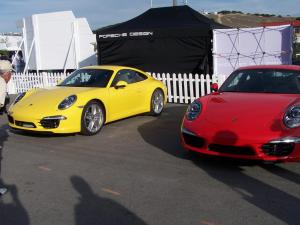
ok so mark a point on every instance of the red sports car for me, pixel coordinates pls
(254, 115)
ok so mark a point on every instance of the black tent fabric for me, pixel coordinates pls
(170, 39)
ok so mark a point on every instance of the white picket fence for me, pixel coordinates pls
(185, 88)
(182, 88)
(23, 82)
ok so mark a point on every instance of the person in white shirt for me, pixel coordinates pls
(5, 75)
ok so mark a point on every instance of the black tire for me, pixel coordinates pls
(157, 102)
(92, 118)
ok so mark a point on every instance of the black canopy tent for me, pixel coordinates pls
(170, 39)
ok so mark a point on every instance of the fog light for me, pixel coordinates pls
(55, 118)
(278, 149)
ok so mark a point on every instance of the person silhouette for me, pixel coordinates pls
(13, 213)
(5, 75)
(93, 209)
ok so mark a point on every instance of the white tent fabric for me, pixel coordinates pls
(57, 41)
(234, 48)
(9, 42)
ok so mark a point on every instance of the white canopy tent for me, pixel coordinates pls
(10, 42)
(57, 41)
(234, 48)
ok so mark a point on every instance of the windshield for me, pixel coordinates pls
(88, 78)
(263, 81)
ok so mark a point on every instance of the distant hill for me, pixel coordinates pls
(246, 20)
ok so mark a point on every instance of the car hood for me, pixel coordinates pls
(242, 112)
(47, 99)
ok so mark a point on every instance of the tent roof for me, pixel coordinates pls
(165, 18)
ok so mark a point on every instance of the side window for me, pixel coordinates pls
(122, 75)
(129, 76)
(140, 77)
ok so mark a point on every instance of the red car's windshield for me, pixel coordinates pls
(263, 81)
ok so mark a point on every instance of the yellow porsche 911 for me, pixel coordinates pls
(87, 99)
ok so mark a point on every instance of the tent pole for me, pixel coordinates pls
(69, 49)
(16, 53)
(76, 43)
(29, 55)
(174, 2)
(24, 30)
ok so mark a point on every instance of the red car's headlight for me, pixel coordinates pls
(291, 118)
(193, 110)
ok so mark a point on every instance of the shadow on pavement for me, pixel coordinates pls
(268, 198)
(3, 138)
(164, 131)
(282, 172)
(12, 213)
(39, 134)
(94, 210)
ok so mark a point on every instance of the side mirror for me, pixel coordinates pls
(121, 84)
(58, 82)
(214, 87)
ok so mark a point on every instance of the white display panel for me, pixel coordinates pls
(234, 48)
(57, 41)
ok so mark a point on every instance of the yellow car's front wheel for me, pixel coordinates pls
(92, 118)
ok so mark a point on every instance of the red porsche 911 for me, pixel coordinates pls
(254, 115)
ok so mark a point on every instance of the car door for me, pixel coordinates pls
(124, 101)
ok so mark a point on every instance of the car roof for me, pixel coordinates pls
(283, 67)
(109, 67)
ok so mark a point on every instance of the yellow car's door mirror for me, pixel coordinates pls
(58, 82)
(121, 84)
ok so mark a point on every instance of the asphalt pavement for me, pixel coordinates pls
(135, 172)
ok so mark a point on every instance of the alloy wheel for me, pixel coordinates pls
(93, 118)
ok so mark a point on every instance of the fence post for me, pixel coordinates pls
(16, 82)
(208, 82)
(180, 88)
(174, 79)
(159, 77)
(191, 81)
(197, 90)
(185, 87)
(202, 83)
(45, 79)
(23, 82)
(169, 87)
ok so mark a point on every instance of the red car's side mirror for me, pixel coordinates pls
(214, 87)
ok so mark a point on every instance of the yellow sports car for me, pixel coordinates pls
(87, 99)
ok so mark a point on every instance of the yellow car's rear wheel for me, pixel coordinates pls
(92, 118)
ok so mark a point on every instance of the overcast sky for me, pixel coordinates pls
(101, 13)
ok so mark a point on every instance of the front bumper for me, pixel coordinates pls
(275, 149)
(64, 121)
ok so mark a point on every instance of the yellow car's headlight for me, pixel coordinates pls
(19, 97)
(67, 102)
